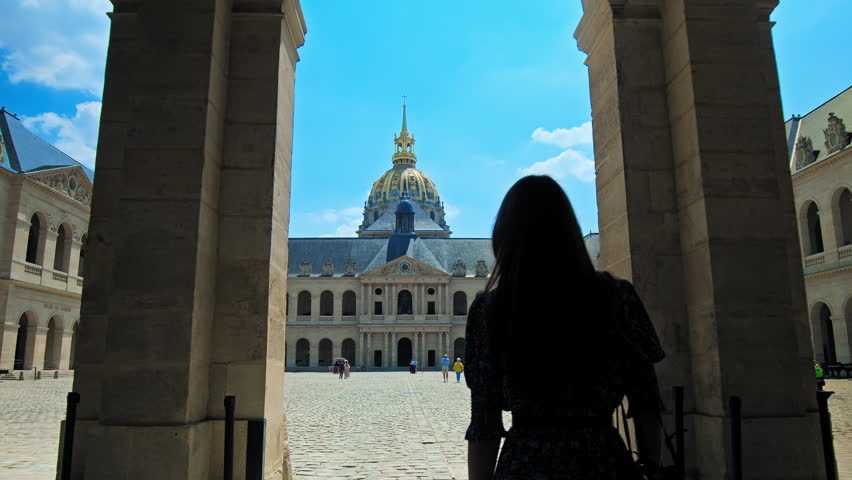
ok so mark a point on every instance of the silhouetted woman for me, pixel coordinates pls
(545, 299)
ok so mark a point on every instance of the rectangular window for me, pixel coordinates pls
(378, 309)
(430, 308)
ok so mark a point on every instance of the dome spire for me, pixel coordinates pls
(404, 143)
(404, 123)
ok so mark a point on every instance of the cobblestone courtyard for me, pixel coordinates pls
(372, 426)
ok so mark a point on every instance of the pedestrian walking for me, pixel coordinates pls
(458, 368)
(340, 366)
(445, 367)
(346, 369)
(411, 367)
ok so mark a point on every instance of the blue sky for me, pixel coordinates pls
(494, 92)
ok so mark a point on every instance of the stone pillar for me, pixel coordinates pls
(64, 353)
(696, 208)
(36, 344)
(393, 349)
(74, 259)
(7, 347)
(829, 233)
(188, 238)
(369, 360)
(363, 304)
(841, 338)
(415, 345)
(49, 248)
(315, 306)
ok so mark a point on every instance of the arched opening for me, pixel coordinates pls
(459, 303)
(814, 230)
(303, 303)
(81, 268)
(432, 215)
(843, 215)
(72, 358)
(403, 352)
(325, 352)
(348, 303)
(826, 327)
(326, 304)
(303, 352)
(404, 303)
(347, 350)
(458, 348)
(21, 343)
(35, 240)
(63, 250)
(53, 344)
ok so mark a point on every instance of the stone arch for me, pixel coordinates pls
(459, 303)
(811, 228)
(458, 349)
(81, 266)
(303, 353)
(841, 211)
(23, 355)
(53, 343)
(349, 304)
(403, 352)
(62, 256)
(825, 346)
(326, 303)
(72, 356)
(326, 353)
(348, 351)
(404, 303)
(303, 303)
(36, 238)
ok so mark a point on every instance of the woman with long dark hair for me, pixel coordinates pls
(545, 300)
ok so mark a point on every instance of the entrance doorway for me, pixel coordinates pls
(829, 349)
(458, 349)
(303, 353)
(377, 358)
(403, 352)
(21, 343)
(325, 353)
(430, 361)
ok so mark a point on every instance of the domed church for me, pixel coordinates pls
(399, 291)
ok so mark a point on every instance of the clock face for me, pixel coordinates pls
(404, 267)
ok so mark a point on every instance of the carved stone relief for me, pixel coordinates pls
(68, 183)
(459, 269)
(804, 152)
(305, 268)
(349, 268)
(481, 268)
(836, 137)
(327, 269)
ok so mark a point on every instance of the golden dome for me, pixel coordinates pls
(404, 181)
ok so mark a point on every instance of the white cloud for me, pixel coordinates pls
(451, 211)
(568, 162)
(564, 137)
(77, 136)
(348, 220)
(55, 67)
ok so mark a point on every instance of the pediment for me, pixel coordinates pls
(69, 181)
(414, 268)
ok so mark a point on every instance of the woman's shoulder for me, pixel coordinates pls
(635, 325)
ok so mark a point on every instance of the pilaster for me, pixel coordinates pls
(7, 347)
(36, 344)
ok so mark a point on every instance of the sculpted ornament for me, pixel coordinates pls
(305, 268)
(481, 268)
(459, 269)
(836, 137)
(804, 152)
(349, 268)
(67, 183)
(327, 268)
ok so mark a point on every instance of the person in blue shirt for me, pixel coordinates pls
(445, 367)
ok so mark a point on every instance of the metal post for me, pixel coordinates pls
(737, 436)
(68, 440)
(827, 437)
(679, 432)
(230, 403)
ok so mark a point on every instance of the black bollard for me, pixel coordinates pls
(827, 436)
(56, 374)
(68, 441)
(230, 404)
(737, 436)
(679, 459)
(21, 377)
(38, 375)
(35, 373)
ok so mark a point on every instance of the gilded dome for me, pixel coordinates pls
(402, 181)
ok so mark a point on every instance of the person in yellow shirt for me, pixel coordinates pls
(458, 368)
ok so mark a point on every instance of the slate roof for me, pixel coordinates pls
(812, 125)
(27, 153)
(387, 221)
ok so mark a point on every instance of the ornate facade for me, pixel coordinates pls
(42, 249)
(822, 187)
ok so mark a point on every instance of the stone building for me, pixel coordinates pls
(45, 215)
(400, 291)
(821, 165)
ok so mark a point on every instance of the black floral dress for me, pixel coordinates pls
(549, 450)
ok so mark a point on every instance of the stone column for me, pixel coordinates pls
(49, 253)
(63, 355)
(36, 344)
(829, 233)
(841, 338)
(696, 208)
(369, 359)
(415, 345)
(315, 306)
(393, 349)
(363, 304)
(7, 347)
(188, 238)
(74, 260)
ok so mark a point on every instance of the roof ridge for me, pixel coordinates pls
(27, 130)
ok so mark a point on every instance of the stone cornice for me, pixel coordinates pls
(828, 161)
(40, 288)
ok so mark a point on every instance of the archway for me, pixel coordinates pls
(843, 217)
(459, 303)
(81, 267)
(21, 343)
(35, 240)
(63, 248)
(347, 350)
(403, 352)
(348, 304)
(303, 353)
(813, 230)
(826, 341)
(404, 303)
(53, 344)
(72, 357)
(303, 304)
(458, 349)
(325, 353)
(326, 304)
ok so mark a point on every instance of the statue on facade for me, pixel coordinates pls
(305, 268)
(804, 152)
(481, 268)
(349, 268)
(327, 268)
(836, 137)
(459, 269)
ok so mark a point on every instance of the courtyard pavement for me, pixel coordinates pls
(375, 425)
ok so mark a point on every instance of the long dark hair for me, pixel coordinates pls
(547, 299)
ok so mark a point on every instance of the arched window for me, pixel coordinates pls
(347, 349)
(348, 303)
(83, 248)
(325, 352)
(404, 303)
(21, 360)
(53, 344)
(35, 240)
(459, 303)
(844, 218)
(303, 353)
(814, 230)
(72, 358)
(825, 339)
(458, 349)
(63, 243)
(326, 304)
(303, 303)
